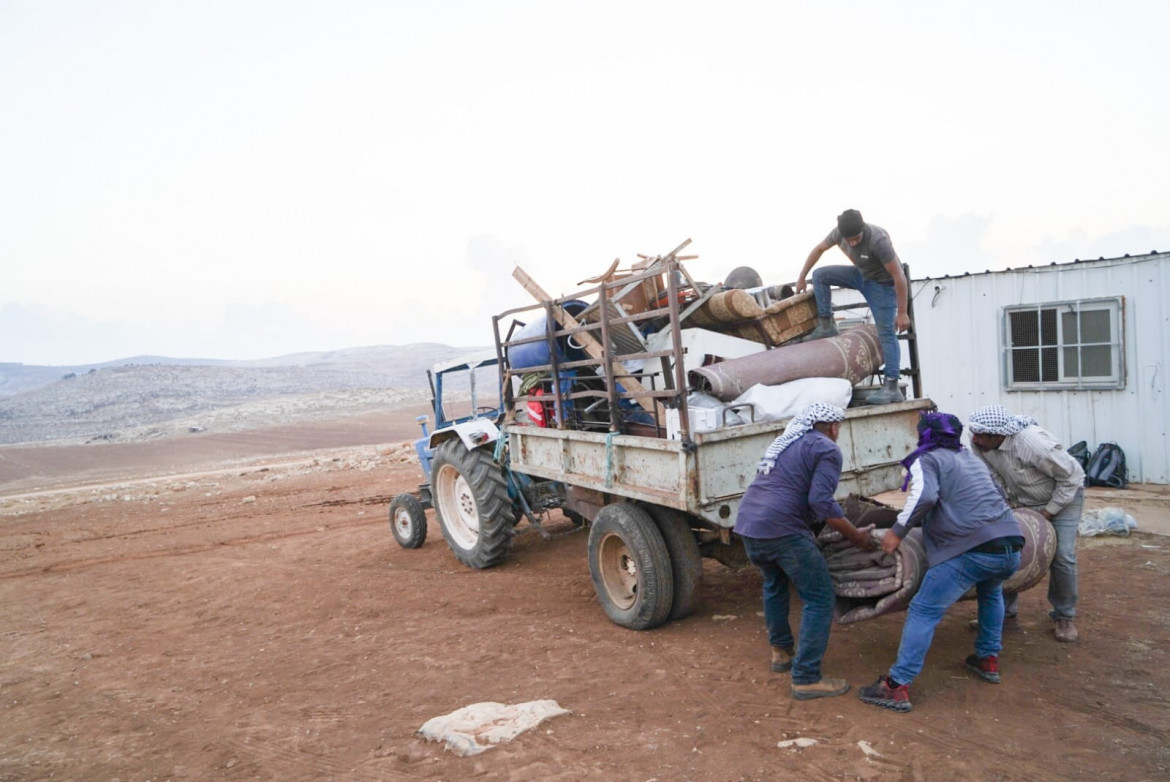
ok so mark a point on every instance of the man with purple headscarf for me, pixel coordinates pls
(793, 489)
(1036, 472)
(972, 540)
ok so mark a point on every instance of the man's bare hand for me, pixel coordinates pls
(902, 322)
(890, 542)
(801, 284)
(863, 539)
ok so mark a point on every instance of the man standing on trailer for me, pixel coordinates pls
(876, 272)
(793, 489)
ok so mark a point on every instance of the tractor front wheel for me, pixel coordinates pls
(408, 521)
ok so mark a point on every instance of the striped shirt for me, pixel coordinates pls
(1034, 470)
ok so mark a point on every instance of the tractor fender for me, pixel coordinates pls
(473, 433)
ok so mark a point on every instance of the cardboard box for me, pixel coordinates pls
(701, 419)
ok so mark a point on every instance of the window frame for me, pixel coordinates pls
(1113, 305)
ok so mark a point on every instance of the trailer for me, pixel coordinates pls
(593, 420)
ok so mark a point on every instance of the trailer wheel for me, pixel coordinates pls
(408, 521)
(686, 564)
(471, 502)
(630, 566)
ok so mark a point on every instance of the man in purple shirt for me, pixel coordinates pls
(794, 489)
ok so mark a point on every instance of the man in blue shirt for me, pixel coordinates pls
(875, 272)
(972, 540)
(792, 490)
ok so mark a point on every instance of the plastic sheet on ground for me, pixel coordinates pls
(480, 726)
(1106, 521)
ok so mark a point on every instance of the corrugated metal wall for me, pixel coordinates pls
(959, 324)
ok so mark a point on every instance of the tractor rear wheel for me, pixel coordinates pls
(408, 521)
(630, 566)
(472, 505)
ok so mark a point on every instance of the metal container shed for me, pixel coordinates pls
(1082, 347)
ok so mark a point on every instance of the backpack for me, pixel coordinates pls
(1080, 452)
(1107, 467)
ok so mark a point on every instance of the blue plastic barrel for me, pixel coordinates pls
(535, 354)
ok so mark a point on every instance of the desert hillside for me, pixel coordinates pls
(147, 398)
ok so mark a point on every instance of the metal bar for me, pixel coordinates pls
(680, 380)
(610, 383)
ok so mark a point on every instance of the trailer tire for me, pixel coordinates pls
(408, 521)
(470, 497)
(686, 564)
(630, 566)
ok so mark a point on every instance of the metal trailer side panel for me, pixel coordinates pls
(709, 479)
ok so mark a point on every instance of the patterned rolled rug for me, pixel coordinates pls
(872, 583)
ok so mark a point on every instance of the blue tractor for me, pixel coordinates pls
(470, 426)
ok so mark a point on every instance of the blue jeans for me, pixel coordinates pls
(942, 585)
(1062, 575)
(795, 558)
(882, 301)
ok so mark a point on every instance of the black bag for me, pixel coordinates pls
(1080, 452)
(1107, 467)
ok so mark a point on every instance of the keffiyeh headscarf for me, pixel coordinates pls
(935, 430)
(993, 419)
(802, 424)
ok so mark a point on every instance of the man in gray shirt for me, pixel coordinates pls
(876, 272)
(1036, 472)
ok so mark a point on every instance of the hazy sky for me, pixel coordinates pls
(247, 179)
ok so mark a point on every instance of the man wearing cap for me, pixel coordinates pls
(1036, 472)
(793, 489)
(972, 540)
(876, 272)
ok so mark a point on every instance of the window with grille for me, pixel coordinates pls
(1074, 344)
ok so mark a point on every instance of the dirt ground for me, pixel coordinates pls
(194, 610)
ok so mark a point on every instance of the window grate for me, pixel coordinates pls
(1069, 344)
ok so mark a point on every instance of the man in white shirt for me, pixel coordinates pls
(1036, 472)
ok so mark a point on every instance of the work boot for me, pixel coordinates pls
(987, 668)
(781, 659)
(880, 693)
(825, 688)
(1065, 631)
(826, 327)
(888, 393)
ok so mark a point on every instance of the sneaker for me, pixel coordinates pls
(1065, 631)
(781, 659)
(880, 693)
(1011, 624)
(825, 688)
(986, 668)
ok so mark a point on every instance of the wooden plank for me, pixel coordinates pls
(590, 345)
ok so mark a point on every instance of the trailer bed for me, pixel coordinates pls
(707, 477)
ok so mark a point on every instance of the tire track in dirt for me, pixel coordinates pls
(87, 563)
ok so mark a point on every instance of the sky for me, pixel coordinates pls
(250, 178)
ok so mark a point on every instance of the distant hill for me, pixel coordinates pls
(135, 397)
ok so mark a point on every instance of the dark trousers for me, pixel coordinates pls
(796, 559)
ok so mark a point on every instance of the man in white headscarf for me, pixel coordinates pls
(793, 489)
(1036, 472)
